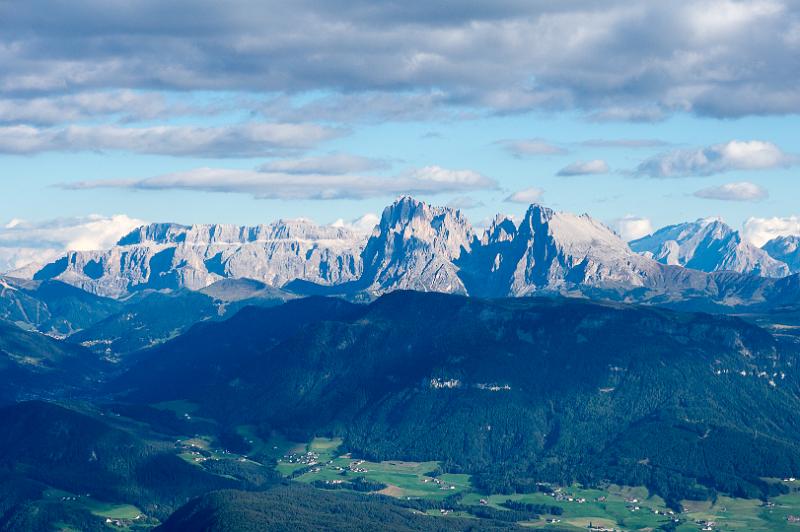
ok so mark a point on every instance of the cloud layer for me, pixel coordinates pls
(631, 227)
(23, 242)
(526, 196)
(741, 191)
(616, 60)
(284, 185)
(332, 164)
(243, 140)
(759, 231)
(597, 166)
(527, 147)
(716, 159)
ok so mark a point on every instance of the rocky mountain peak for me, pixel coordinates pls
(785, 249)
(414, 247)
(709, 245)
(155, 233)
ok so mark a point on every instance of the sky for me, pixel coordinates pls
(642, 114)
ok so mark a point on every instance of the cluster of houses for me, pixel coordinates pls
(771, 377)
(455, 383)
(706, 525)
(355, 467)
(71, 497)
(442, 485)
(561, 496)
(445, 383)
(309, 458)
(122, 522)
(200, 454)
(600, 528)
(494, 387)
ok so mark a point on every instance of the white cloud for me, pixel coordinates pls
(597, 166)
(719, 158)
(23, 242)
(335, 163)
(527, 196)
(363, 224)
(127, 104)
(631, 227)
(618, 59)
(741, 191)
(527, 147)
(281, 185)
(759, 231)
(241, 140)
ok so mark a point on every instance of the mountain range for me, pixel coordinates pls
(709, 245)
(429, 248)
(160, 398)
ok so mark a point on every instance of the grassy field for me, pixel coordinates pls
(99, 508)
(614, 507)
(402, 479)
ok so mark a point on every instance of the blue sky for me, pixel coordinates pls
(253, 111)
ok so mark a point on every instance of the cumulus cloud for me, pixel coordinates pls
(741, 191)
(719, 158)
(23, 242)
(759, 231)
(526, 196)
(282, 185)
(525, 147)
(335, 163)
(614, 60)
(363, 224)
(597, 166)
(242, 140)
(631, 227)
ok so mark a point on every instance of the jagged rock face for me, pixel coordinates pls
(415, 247)
(420, 247)
(170, 256)
(552, 251)
(785, 249)
(708, 245)
(563, 249)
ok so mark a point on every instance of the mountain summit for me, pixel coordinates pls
(708, 245)
(172, 256)
(417, 246)
(785, 249)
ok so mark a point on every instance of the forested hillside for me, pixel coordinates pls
(511, 390)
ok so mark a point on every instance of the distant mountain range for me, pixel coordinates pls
(709, 245)
(428, 248)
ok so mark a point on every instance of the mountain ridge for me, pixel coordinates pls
(708, 245)
(423, 247)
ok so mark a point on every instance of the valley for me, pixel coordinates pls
(173, 408)
(423, 487)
